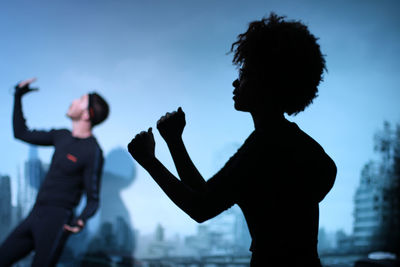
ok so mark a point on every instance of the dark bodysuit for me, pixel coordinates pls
(75, 168)
(277, 177)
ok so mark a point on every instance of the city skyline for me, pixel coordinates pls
(111, 230)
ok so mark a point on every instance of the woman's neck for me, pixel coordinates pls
(263, 120)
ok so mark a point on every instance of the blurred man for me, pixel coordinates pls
(76, 166)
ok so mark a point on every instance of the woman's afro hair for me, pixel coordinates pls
(288, 58)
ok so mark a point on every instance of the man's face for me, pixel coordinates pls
(78, 107)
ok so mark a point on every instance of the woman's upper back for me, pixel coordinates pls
(278, 177)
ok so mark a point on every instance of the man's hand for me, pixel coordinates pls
(171, 125)
(23, 87)
(142, 147)
(75, 229)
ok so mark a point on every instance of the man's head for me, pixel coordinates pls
(281, 66)
(89, 107)
(98, 109)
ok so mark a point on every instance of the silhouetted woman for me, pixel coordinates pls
(280, 174)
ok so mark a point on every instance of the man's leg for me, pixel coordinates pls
(18, 244)
(49, 235)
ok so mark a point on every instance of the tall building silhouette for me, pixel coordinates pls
(377, 200)
(34, 170)
(28, 184)
(5, 206)
(366, 213)
(372, 209)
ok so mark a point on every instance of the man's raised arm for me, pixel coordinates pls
(21, 131)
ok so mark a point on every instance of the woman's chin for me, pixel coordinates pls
(239, 107)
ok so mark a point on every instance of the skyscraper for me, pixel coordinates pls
(29, 183)
(372, 209)
(5, 206)
(34, 171)
(377, 201)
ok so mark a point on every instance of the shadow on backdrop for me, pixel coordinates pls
(113, 240)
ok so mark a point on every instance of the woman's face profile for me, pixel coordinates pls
(245, 92)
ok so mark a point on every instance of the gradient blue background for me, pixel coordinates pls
(149, 57)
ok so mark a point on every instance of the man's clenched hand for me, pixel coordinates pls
(75, 229)
(23, 87)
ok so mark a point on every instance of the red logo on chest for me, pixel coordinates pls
(72, 158)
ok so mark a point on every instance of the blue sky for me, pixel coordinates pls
(149, 57)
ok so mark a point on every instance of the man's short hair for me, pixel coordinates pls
(98, 109)
(286, 56)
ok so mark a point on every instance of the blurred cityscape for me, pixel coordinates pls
(222, 241)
